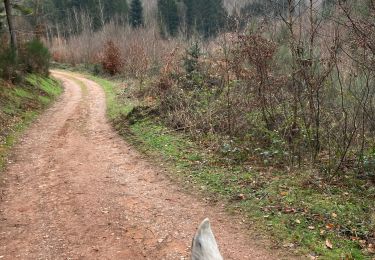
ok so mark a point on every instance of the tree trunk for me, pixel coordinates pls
(8, 11)
(38, 30)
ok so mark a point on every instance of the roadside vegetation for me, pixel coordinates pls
(20, 104)
(25, 88)
(297, 208)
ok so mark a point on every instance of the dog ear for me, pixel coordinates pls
(204, 245)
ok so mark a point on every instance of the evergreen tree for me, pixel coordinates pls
(100, 11)
(116, 10)
(206, 17)
(169, 19)
(190, 16)
(266, 8)
(136, 14)
(213, 17)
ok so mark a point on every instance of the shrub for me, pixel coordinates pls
(111, 58)
(368, 164)
(97, 69)
(8, 64)
(36, 57)
(192, 58)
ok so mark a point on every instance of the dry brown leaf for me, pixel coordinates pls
(289, 210)
(362, 243)
(371, 248)
(330, 226)
(329, 244)
(241, 196)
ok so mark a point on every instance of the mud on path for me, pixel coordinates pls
(76, 190)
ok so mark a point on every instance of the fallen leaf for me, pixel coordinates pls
(334, 215)
(362, 243)
(330, 226)
(284, 193)
(322, 232)
(298, 221)
(289, 210)
(311, 227)
(290, 245)
(241, 196)
(371, 248)
(329, 244)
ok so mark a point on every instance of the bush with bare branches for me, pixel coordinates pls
(111, 59)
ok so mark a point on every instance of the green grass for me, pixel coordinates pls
(20, 105)
(115, 109)
(295, 208)
(274, 200)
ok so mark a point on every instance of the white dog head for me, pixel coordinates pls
(204, 244)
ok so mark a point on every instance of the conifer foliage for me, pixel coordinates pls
(205, 17)
(212, 17)
(169, 19)
(136, 14)
(100, 12)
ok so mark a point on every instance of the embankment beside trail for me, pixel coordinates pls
(19, 106)
(302, 213)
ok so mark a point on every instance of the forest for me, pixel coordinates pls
(268, 104)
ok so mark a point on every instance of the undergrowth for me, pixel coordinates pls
(301, 211)
(20, 104)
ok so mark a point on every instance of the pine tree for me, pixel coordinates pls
(206, 17)
(190, 16)
(169, 19)
(100, 11)
(116, 10)
(136, 14)
(265, 8)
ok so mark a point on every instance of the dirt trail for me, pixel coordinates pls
(76, 190)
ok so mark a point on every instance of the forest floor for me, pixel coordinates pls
(73, 189)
